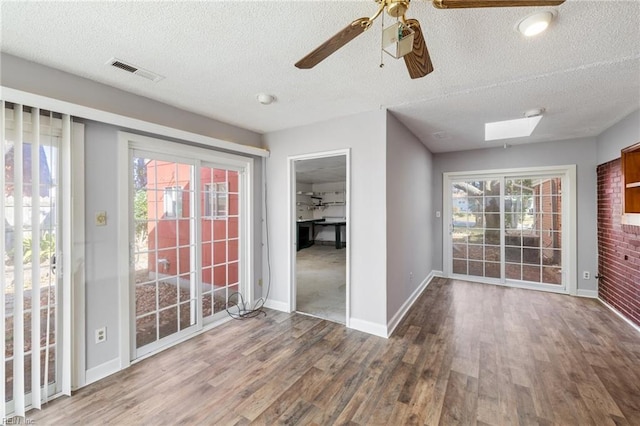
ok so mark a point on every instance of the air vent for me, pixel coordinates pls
(117, 63)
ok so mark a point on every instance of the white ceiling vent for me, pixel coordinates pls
(117, 63)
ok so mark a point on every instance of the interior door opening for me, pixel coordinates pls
(320, 258)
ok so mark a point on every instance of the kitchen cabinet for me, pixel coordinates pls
(630, 159)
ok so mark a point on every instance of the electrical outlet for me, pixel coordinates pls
(586, 275)
(101, 334)
(438, 214)
(410, 276)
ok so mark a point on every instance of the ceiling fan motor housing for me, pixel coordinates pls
(397, 8)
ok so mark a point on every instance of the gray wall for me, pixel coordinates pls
(409, 214)
(581, 152)
(31, 77)
(365, 135)
(621, 135)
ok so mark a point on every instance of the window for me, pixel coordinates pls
(173, 201)
(215, 200)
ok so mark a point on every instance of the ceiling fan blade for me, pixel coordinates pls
(343, 37)
(418, 61)
(462, 4)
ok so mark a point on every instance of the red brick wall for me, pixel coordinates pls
(618, 246)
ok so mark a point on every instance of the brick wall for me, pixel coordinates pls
(618, 246)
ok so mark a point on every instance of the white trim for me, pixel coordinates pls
(67, 257)
(18, 96)
(78, 257)
(101, 371)
(369, 327)
(124, 248)
(437, 273)
(277, 305)
(570, 255)
(593, 294)
(2, 264)
(292, 224)
(400, 314)
(618, 313)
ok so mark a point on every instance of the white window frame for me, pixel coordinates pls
(130, 141)
(569, 221)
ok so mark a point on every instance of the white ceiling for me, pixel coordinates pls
(218, 55)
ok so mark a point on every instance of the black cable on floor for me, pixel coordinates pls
(239, 311)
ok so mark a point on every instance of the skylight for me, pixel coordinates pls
(508, 129)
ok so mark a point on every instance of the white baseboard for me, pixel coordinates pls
(277, 305)
(615, 311)
(393, 323)
(593, 294)
(435, 273)
(368, 327)
(101, 371)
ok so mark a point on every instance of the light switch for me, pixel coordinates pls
(101, 218)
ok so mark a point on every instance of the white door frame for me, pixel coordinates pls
(569, 217)
(292, 222)
(127, 143)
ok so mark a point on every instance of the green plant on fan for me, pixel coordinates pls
(47, 248)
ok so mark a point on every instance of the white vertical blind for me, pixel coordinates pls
(35, 255)
(18, 299)
(36, 154)
(2, 266)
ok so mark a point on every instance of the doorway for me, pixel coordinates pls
(320, 223)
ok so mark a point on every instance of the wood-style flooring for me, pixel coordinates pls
(465, 354)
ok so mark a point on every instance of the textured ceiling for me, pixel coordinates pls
(322, 170)
(218, 55)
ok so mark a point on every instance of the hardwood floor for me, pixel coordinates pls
(465, 354)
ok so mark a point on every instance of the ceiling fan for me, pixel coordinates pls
(418, 61)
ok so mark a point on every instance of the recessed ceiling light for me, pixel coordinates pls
(266, 99)
(536, 23)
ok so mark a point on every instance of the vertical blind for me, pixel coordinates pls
(35, 144)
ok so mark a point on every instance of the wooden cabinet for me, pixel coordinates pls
(630, 158)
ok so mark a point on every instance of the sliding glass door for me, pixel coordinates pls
(186, 244)
(32, 212)
(507, 228)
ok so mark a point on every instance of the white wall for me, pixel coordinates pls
(365, 135)
(621, 135)
(409, 214)
(581, 152)
(332, 191)
(303, 211)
